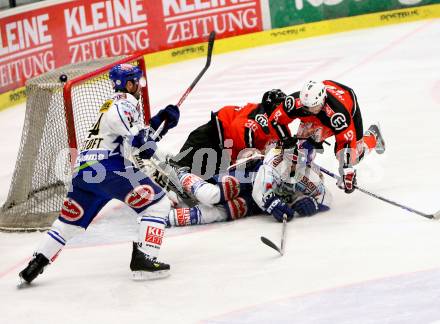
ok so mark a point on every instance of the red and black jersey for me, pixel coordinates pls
(340, 117)
(247, 126)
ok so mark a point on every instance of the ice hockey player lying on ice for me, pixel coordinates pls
(231, 130)
(102, 173)
(284, 182)
(330, 109)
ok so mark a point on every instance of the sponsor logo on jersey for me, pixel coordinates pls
(140, 196)
(277, 159)
(328, 111)
(71, 210)
(86, 157)
(261, 119)
(119, 96)
(154, 235)
(309, 185)
(338, 121)
(106, 106)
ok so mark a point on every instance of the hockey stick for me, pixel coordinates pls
(199, 76)
(246, 160)
(171, 183)
(193, 84)
(269, 243)
(430, 216)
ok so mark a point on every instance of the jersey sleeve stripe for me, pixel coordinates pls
(355, 105)
(248, 138)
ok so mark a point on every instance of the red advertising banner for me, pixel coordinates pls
(37, 41)
(188, 22)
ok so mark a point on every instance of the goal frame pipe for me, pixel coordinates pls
(68, 107)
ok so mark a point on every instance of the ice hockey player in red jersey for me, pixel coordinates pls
(281, 182)
(328, 109)
(229, 133)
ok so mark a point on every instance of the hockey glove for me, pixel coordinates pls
(305, 206)
(170, 114)
(274, 206)
(348, 179)
(146, 145)
(271, 99)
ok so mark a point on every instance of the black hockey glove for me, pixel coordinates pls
(274, 206)
(271, 99)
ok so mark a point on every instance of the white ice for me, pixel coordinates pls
(364, 261)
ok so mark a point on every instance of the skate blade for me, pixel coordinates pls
(22, 284)
(381, 147)
(146, 275)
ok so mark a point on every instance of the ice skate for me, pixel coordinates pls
(34, 268)
(380, 143)
(144, 268)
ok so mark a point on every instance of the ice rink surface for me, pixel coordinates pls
(364, 261)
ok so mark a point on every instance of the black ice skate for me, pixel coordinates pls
(144, 268)
(34, 268)
(380, 143)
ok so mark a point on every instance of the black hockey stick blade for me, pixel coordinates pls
(271, 244)
(283, 238)
(208, 63)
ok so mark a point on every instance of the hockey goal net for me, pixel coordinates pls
(58, 115)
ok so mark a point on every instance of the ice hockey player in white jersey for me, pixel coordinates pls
(284, 182)
(102, 173)
(289, 184)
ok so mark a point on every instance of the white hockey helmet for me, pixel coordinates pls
(313, 95)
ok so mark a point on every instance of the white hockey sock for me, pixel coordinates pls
(56, 238)
(211, 214)
(151, 232)
(152, 228)
(200, 214)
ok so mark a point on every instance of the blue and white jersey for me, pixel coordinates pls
(117, 123)
(288, 180)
